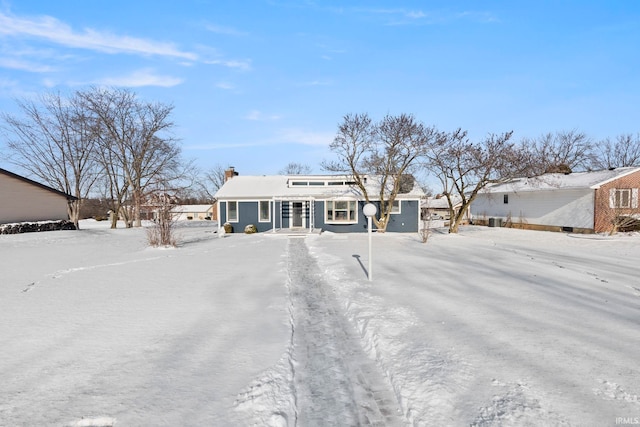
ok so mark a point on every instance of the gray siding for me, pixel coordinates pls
(406, 221)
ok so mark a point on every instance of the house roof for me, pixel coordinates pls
(440, 202)
(37, 184)
(191, 208)
(302, 186)
(555, 181)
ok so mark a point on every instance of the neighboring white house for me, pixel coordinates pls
(193, 212)
(24, 200)
(581, 201)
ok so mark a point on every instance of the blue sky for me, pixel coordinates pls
(259, 84)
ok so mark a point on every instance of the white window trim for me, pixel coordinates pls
(331, 221)
(268, 211)
(237, 209)
(613, 193)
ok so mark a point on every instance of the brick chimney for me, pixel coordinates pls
(230, 173)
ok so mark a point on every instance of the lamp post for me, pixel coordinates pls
(369, 210)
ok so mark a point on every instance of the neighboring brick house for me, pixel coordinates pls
(584, 202)
(617, 198)
(24, 200)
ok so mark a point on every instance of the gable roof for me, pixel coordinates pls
(37, 184)
(440, 202)
(191, 208)
(556, 181)
(302, 186)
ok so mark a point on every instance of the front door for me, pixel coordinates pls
(297, 214)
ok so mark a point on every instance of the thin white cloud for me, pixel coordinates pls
(483, 17)
(304, 137)
(242, 65)
(51, 29)
(225, 86)
(418, 14)
(229, 31)
(317, 83)
(401, 16)
(145, 77)
(285, 136)
(18, 64)
(256, 115)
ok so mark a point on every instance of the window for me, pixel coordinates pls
(265, 211)
(343, 211)
(620, 198)
(505, 199)
(232, 211)
(395, 208)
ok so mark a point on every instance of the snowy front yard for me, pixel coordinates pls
(490, 327)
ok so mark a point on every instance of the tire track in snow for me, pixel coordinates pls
(335, 382)
(61, 273)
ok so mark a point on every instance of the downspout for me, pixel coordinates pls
(219, 218)
(595, 209)
(273, 216)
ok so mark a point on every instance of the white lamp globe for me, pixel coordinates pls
(369, 209)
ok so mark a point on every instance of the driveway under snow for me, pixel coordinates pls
(489, 327)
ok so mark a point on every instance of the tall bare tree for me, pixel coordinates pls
(385, 151)
(136, 135)
(54, 141)
(294, 168)
(624, 151)
(465, 168)
(211, 181)
(559, 152)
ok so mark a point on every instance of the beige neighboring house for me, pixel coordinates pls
(438, 207)
(24, 200)
(193, 212)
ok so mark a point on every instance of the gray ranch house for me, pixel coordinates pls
(309, 203)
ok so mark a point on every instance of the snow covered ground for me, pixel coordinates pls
(491, 327)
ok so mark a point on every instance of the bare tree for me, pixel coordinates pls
(162, 233)
(211, 181)
(294, 168)
(113, 186)
(136, 138)
(623, 152)
(560, 152)
(465, 168)
(385, 151)
(55, 142)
